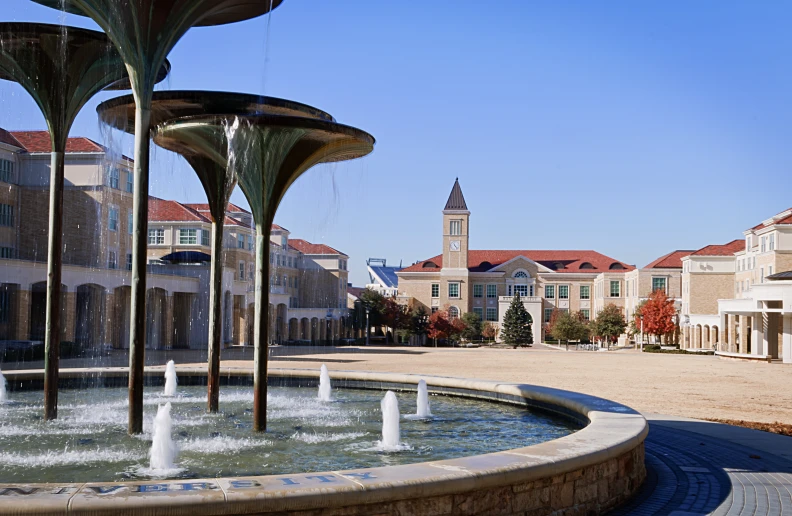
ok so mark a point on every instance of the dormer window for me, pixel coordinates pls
(586, 265)
(429, 265)
(616, 266)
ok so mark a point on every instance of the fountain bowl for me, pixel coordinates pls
(589, 471)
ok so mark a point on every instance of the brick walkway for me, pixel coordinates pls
(695, 467)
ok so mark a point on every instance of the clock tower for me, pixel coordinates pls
(455, 233)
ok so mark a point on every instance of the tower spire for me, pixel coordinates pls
(456, 201)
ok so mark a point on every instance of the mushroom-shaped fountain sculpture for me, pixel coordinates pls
(267, 153)
(209, 160)
(144, 32)
(61, 68)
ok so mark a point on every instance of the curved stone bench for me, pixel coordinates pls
(589, 471)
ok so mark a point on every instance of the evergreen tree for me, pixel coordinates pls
(517, 325)
(473, 326)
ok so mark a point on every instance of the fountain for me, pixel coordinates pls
(37, 56)
(422, 403)
(3, 388)
(391, 436)
(144, 32)
(163, 449)
(325, 389)
(171, 380)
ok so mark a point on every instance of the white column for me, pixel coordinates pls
(787, 351)
(723, 333)
(757, 337)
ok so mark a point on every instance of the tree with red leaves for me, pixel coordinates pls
(440, 327)
(658, 314)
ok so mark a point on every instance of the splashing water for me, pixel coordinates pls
(171, 381)
(423, 400)
(163, 449)
(324, 384)
(391, 435)
(3, 393)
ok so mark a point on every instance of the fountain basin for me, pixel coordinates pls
(593, 469)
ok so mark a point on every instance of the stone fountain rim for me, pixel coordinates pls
(105, 108)
(40, 29)
(613, 431)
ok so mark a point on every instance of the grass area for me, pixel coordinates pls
(775, 428)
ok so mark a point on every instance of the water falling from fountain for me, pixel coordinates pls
(171, 381)
(324, 384)
(3, 393)
(163, 449)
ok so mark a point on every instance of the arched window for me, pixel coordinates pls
(521, 286)
(586, 265)
(521, 275)
(429, 265)
(615, 266)
(453, 312)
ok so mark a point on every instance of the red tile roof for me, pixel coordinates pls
(672, 260)
(280, 228)
(356, 291)
(162, 210)
(306, 247)
(785, 217)
(8, 139)
(559, 261)
(39, 141)
(203, 209)
(721, 250)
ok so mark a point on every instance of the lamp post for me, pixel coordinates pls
(642, 335)
(368, 329)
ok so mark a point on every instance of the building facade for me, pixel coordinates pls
(97, 235)
(485, 281)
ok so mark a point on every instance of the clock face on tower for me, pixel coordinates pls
(454, 245)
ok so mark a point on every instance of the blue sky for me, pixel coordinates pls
(630, 128)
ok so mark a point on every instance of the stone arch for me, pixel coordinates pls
(305, 329)
(122, 299)
(90, 311)
(281, 323)
(37, 318)
(714, 334)
(294, 329)
(251, 314)
(157, 336)
(315, 330)
(705, 337)
(697, 336)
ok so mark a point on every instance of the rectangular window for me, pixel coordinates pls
(761, 274)
(492, 291)
(205, 237)
(772, 242)
(479, 311)
(586, 314)
(7, 252)
(563, 292)
(240, 241)
(112, 218)
(277, 260)
(129, 261)
(456, 227)
(762, 244)
(130, 224)
(549, 291)
(453, 290)
(252, 273)
(113, 177)
(748, 243)
(188, 236)
(478, 290)
(492, 314)
(658, 284)
(522, 290)
(6, 215)
(241, 276)
(112, 260)
(434, 309)
(435, 290)
(6, 171)
(548, 313)
(130, 184)
(5, 305)
(615, 289)
(250, 242)
(156, 236)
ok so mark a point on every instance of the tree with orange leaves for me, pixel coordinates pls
(658, 314)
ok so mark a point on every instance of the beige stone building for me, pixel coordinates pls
(97, 236)
(485, 281)
(664, 273)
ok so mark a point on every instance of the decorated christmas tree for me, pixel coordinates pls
(517, 325)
